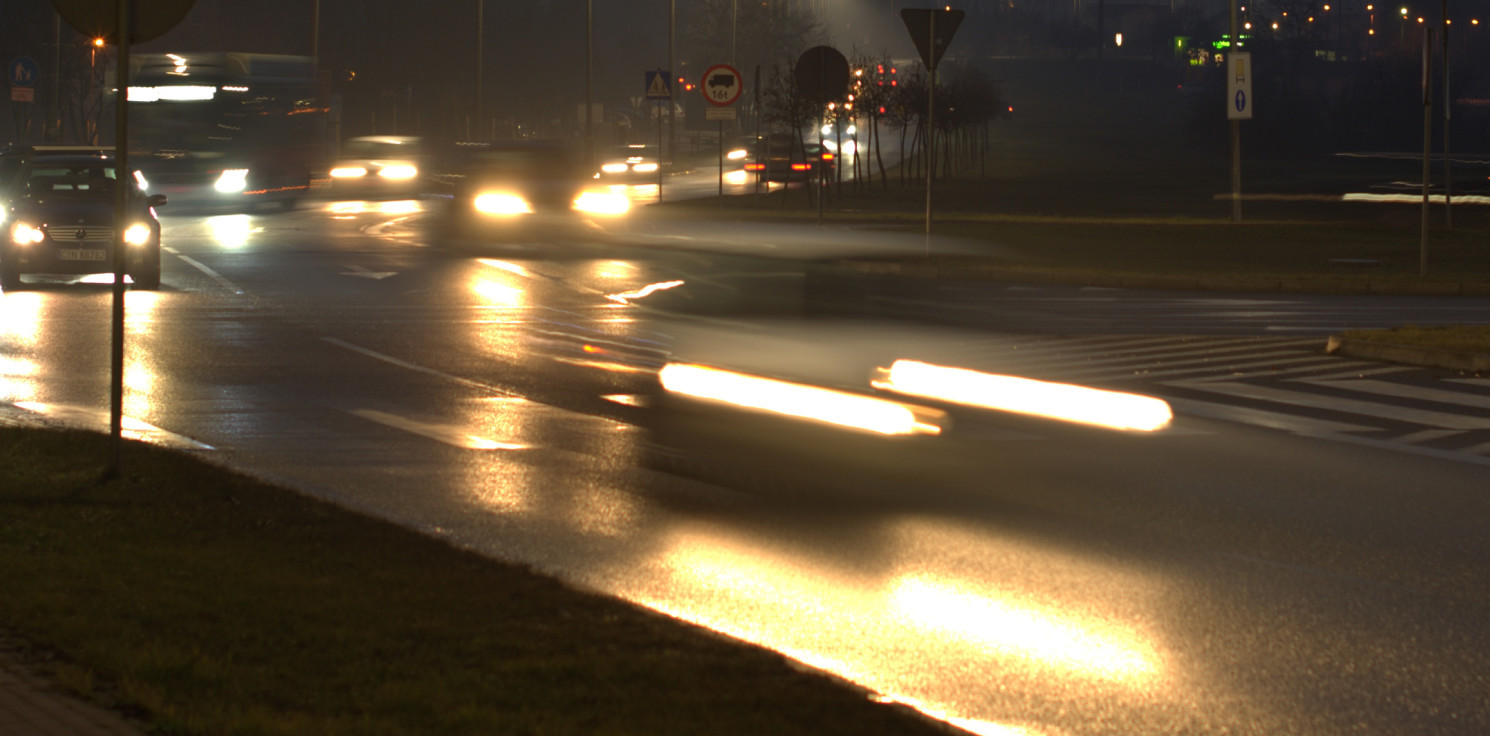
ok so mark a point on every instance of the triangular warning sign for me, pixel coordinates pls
(931, 30)
(658, 88)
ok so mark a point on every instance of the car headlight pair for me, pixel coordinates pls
(507, 204)
(24, 233)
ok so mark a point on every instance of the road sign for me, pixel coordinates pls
(932, 30)
(657, 86)
(23, 71)
(99, 18)
(821, 74)
(719, 113)
(1239, 85)
(722, 85)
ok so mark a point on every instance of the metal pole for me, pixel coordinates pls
(1427, 143)
(589, 84)
(721, 164)
(123, 28)
(1236, 130)
(1448, 104)
(672, 93)
(480, 39)
(930, 124)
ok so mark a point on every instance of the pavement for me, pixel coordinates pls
(33, 705)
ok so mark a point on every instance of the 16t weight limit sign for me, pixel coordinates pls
(721, 85)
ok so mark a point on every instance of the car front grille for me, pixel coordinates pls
(81, 234)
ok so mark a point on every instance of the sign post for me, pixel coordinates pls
(721, 86)
(659, 89)
(122, 24)
(931, 30)
(1238, 108)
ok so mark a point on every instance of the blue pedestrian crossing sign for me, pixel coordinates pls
(658, 87)
(23, 71)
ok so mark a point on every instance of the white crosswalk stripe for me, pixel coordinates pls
(1426, 417)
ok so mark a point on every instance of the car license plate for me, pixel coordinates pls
(82, 254)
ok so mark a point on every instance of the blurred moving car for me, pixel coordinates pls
(378, 167)
(782, 157)
(60, 219)
(510, 191)
(633, 162)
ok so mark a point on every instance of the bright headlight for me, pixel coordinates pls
(737, 154)
(137, 234)
(401, 171)
(231, 181)
(348, 172)
(613, 168)
(24, 234)
(502, 204)
(602, 203)
(645, 168)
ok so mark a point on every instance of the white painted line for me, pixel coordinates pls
(448, 433)
(1444, 420)
(1223, 371)
(83, 417)
(1235, 376)
(1428, 435)
(1404, 391)
(1481, 449)
(1367, 372)
(1263, 418)
(415, 367)
(215, 276)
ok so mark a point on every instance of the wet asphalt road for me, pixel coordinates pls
(1010, 575)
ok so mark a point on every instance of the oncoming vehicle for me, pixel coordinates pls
(634, 162)
(512, 191)
(227, 130)
(60, 219)
(378, 167)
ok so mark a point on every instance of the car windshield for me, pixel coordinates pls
(68, 182)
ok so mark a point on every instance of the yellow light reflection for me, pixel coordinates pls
(613, 270)
(626, 297)
(20, 316)
(1098, 649)
(798, 400)
(346, 209)
(737, 177)
(230, 231)
(498, 294)
(139, 313)
(1062, 401)
(16, 382)
(401, 207)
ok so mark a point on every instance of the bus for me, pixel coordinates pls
(235, 131)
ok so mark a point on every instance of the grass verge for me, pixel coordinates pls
(206, 602)
(1461, 338)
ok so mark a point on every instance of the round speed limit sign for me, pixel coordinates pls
(722, 85)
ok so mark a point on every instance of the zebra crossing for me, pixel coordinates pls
(1285, 383)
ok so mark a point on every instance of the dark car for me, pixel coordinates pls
(783, 158)
(630, 163)
(520, 191)
(14, 155)
(59, 219)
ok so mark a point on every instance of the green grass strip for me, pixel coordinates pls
(206, 602)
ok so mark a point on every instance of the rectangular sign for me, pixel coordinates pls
(22, 94)
(719, 113)
(1239, 85)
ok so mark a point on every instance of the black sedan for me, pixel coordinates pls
(60, 219)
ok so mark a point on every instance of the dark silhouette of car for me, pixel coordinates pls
(60, 219)
(722, 80)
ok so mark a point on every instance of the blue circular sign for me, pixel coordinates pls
(1241, 101)
(23, 71)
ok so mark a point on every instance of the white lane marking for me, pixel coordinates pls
(450, 434)
(1290, 371)
(415, 367)
(1263, 418)
(99, 419)
(364, 273)
(215, 276)
(1367, 372)
(1215, 370)
(1481, 449)
(1404, 391)
(1428, 435)
(1349, 406)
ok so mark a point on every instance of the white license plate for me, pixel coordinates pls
(82, 254)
